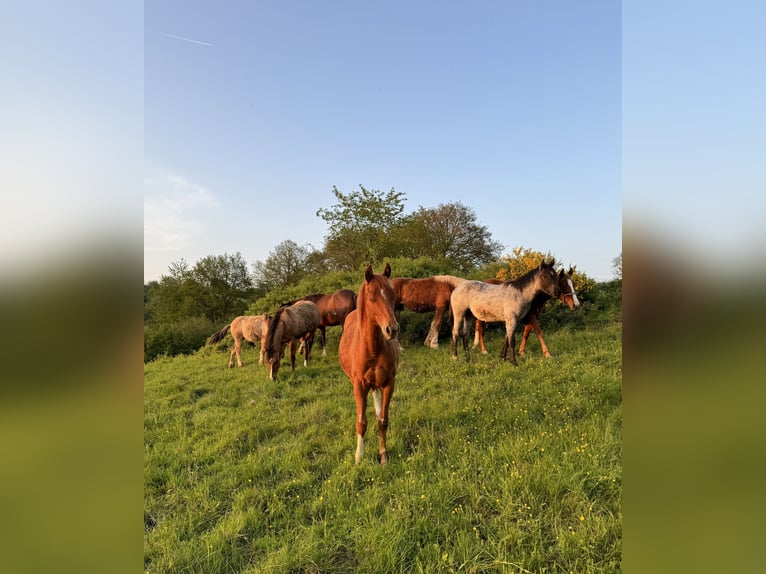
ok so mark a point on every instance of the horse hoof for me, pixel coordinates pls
(384, 458)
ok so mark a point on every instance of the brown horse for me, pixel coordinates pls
(424, 296)
(567, 296)
(289, 324)
(333, 309)
(507, 302)
(250, 327)
(369, 354)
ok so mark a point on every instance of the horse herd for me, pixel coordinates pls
(369, 349)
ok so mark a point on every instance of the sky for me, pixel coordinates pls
(253, 111)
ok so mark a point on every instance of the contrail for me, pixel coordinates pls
(186, 39)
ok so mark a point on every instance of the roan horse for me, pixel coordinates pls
(250, 327)
(507, 302)
(369, 354)
(424, 296)
(289, 324)
(567, 296)
(333, 309)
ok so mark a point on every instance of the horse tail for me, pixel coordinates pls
(217, 337)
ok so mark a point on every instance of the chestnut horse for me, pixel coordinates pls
(333, 309)
(424, 296)
(507, 302)
(250, 327)
(567, 296)
(289, 324)
(369, 354)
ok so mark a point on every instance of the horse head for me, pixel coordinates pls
(567, 293)
(547, 280)
(379, 301)
(273, 347)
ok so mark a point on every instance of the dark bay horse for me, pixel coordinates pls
(333, 309)
(507, 302)
(250, 327)
(426, 295)
(369, 354)
(290, 324)
(530, 321)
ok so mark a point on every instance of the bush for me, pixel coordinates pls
(180, 337)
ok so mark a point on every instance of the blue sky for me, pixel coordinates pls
(253, 111)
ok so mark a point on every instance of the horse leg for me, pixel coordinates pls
(324, 341)
(539, 333)
(432, 339)
(504, 350)
(381, 413)
(292, 354)
(235, 350)
(523, 346)
(307, 350)
(510, 338)
(260, 356)
(479, 337)
(360, 397)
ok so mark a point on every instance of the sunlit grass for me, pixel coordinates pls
(493, 468)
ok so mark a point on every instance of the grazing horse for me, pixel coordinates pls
(424, 296)
(250, 327)
(333, 309)
(567, 296)
(289, 324)
(369, 354)
(507, 302)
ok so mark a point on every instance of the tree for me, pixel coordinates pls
(222, 285)
(617, 266)
(286, 264)
(218, 288)
(449, 231)
(360, 226)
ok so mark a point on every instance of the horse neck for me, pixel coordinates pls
(532, 290)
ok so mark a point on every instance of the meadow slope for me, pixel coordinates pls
(492, 468)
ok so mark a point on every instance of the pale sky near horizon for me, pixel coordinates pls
(184, 129)
(254, 111)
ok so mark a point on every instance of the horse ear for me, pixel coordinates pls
(571, 270)
(368, 274)
(387, 270)
(561, 273)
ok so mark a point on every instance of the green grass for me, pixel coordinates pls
(492, 468)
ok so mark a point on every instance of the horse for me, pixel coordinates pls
(250, 327)
(369, 354)
(333, 309)
(426, 295)
(567, 296)
(506, 302)
(289, 324)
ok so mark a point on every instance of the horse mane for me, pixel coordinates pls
(273, 322)
(521, 282)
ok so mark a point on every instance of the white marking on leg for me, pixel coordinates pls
(359, 449)
(376, 398)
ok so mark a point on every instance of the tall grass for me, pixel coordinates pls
(492, 468)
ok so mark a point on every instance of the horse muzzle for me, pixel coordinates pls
(391, 331)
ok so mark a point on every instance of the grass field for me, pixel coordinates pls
(492, 468)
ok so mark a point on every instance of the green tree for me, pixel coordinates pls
(617, 266)
(360, 226)
(222, 286)
(286, 264)
(449, 231)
